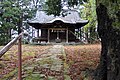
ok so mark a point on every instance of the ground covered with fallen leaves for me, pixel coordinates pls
(77, 61)
(8, 62)
(82, 59)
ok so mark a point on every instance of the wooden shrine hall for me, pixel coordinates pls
(57, 28)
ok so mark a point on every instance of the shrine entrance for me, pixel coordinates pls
(57, 35)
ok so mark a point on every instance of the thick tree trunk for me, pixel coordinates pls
(101, 72)
(109, 67)
(113, 56)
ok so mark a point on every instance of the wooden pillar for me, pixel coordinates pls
(38, 33)
(80, 33)
(67, 35)
(57, 34)
(48, 35)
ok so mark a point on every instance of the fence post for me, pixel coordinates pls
(19, 59)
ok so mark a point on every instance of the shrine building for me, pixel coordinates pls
(57, 28)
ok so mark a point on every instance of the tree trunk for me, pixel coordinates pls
(109, 67)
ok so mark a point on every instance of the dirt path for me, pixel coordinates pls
(49, 66)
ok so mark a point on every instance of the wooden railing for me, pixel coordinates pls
(8, 46)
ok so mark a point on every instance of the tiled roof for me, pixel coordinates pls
(72, 17)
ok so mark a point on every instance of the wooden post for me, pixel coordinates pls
(19, 48)
(67, 35)
(8, 46)
(19, 60)
(80, 33)
(48, 35)
(38, 33)
(57, 34)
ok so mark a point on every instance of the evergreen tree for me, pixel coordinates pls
(89, 13)
(9, 19)
(54, 7)
(14, 12)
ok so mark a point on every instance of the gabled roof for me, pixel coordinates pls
(72, 17)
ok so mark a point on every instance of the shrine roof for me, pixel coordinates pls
(72, 17)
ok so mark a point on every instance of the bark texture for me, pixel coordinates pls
(109, 67)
